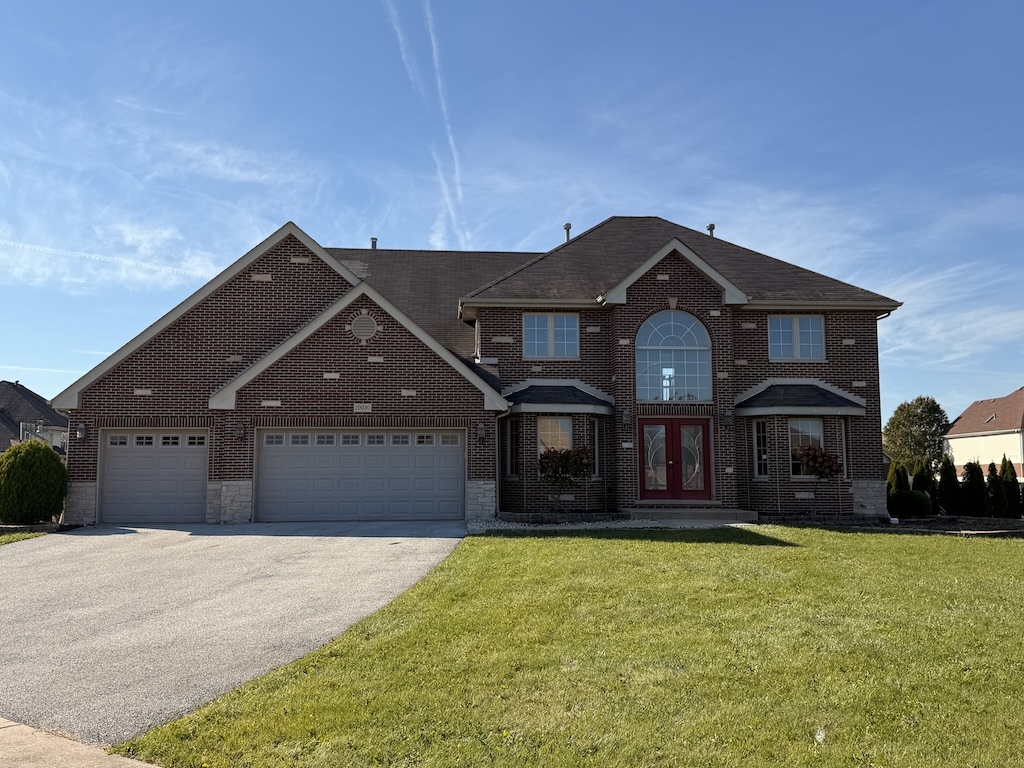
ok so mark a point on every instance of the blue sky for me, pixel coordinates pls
(144, 147)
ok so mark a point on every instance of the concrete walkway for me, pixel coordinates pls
(25, 747)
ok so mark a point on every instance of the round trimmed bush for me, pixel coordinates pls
(910, 504)
(33, 484)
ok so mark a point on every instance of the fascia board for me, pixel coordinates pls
(582, 386)
(224, 399)
(581, 303)
(812, 382)
(784, 410)
(755, 305)
(69, 397)
(989, 433)
(730, 293)
(605, 410)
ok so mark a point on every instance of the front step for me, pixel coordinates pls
(691, 514)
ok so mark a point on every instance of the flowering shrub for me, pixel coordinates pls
(564, 467)
(818, 462)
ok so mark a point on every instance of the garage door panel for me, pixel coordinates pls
(161, 482)
(396, 480)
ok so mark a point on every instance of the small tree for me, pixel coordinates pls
(924, 482)
(915, 433)
(33, 484)
(995, 491)
(973, 496)
(820, 463)
(897, 480)
(1011, 487)
(563, 468)
(949, 488)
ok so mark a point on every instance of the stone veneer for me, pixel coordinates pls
(80, 504)
(481, 497)
(869, 498)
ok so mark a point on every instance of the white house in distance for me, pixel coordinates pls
(987, 431)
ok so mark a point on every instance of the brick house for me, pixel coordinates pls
(311, 383)
(987, 431)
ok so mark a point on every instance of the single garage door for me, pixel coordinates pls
(364, 475)
(153, 477)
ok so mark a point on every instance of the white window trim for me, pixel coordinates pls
(795, 321)
(551, 335)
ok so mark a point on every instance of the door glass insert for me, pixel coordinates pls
(655, 477)
(691, 456)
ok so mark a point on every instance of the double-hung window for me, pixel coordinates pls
(761, 448)
(803, 432)
(554, 432)
(796, 337)
(551, 335)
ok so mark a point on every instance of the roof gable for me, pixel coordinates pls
(69, 397)
(730, 293)
(224, 398)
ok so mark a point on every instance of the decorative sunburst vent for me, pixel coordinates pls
(363, 326)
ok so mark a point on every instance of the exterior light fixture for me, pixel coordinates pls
(728, 419)
(240, 430)
(481, 431)
(627, 416)
(81, 432)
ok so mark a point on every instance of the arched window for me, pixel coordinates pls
(673, 359)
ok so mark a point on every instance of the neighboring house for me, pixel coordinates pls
(24, 415)
(987, 431)
(306, 383)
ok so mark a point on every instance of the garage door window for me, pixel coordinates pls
(400, 440)
(273, 440)
(424, 439)
(452, 438)
(143, 440)
(375, 439)
(350, 439)
(170, 440)
(119, 440)
(325, 439)
(196, 441)
(300, 439)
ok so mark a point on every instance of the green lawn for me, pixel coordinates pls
(763, 646)
(10, 538)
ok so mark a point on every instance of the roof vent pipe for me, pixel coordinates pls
(711, 229)
(567, 226)
(373, 243)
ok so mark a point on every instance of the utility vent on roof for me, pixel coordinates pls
(991, 417)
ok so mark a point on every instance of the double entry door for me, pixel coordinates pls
(675, 458)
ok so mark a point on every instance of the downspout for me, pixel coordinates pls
(778, 475)
(497, 460)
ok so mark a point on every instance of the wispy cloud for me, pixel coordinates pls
(435, 50)
(403, 47)
(30, 369)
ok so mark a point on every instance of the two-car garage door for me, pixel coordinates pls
(360, 475)
(160, 477)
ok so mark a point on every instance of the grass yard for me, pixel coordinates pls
(762, 646)
(10, 538)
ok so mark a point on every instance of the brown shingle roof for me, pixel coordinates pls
(601, 258)
(1000, 414)
(427, 285)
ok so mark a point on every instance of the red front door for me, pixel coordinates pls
(675, 459)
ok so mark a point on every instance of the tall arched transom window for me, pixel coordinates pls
(673, 359)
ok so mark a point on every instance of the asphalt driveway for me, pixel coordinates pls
(105, 632)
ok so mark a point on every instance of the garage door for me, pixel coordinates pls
(381, 475)
(153, 477)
